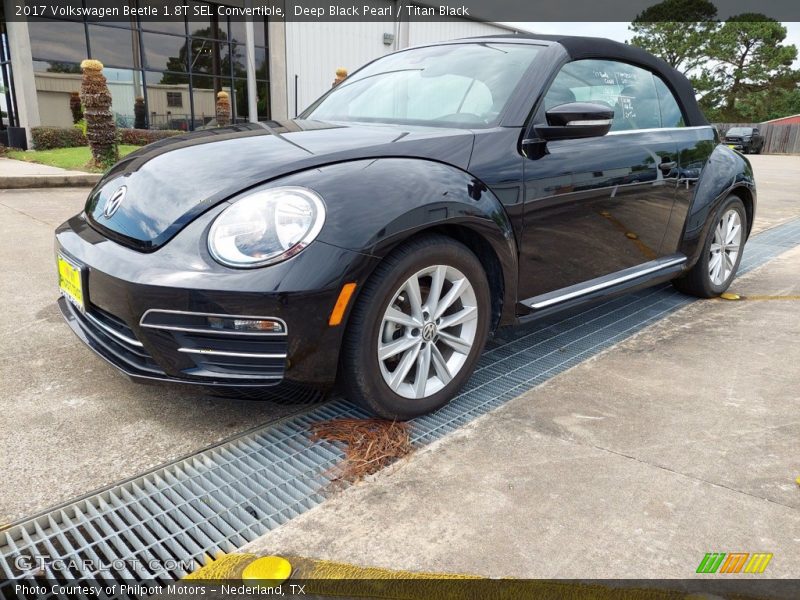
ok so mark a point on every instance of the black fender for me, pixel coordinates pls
(372, 205)
(725, 172)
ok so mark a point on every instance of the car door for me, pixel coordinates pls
(598, 205)
(695, 145)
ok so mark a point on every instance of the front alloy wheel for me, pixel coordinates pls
(417, 329)
(724, 250)
(721, 254)
(427, 331)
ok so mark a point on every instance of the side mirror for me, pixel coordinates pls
(576, 120)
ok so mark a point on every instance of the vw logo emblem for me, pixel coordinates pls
(112, 204)
(428, 331)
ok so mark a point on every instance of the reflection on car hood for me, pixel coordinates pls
(172, 181)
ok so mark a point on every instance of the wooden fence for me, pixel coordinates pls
(778, 139)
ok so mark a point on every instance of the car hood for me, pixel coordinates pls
(169, 183)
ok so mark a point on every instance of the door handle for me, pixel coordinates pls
(668, 166)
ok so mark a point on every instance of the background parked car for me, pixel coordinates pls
(745, 139)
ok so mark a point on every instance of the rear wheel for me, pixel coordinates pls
(417, 329)
(722, 253)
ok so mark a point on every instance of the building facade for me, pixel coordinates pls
(271, 69)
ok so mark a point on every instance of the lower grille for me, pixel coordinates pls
(112, 338)
(247, 357)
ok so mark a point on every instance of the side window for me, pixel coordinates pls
(671, 115)
(629, 90)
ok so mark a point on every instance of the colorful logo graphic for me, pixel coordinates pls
(734, 562)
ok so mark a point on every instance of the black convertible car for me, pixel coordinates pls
(378, 239)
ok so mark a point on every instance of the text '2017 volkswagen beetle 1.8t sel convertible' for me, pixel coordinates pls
(378, 239)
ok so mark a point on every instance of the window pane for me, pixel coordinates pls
(165, 52)
(629, 90)
(163, 91)
(171, 27)
(262, 66)
(259, 35)
(202, 25)
(54, 66)
(262, 100)
(671, 115)
(264, 111)
(240, 66)
(205, 90)
(211, 57)
(174, 99)
(61, 41)
(238, 58)
(114, 47)
(54, 84)
(125, 86)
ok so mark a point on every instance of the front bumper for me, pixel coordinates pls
(121, 285)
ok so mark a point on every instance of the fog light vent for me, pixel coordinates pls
(195, 322)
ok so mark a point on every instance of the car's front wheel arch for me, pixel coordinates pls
(488, 257)
(383, 297)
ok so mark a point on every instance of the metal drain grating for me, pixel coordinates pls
(162, 525)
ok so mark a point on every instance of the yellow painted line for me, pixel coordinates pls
(323, 578)
(731, 296)
(227, 566)
(771, 297)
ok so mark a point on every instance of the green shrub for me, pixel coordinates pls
(141, 137)
(47, 138)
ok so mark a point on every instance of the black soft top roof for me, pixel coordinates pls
(590, 47)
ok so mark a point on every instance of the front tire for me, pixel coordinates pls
(722, 253)
(417, 329)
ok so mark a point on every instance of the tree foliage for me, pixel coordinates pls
(742, 69)
(676, 31)
(747, 63)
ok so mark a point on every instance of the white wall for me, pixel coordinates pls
(427, 32)
(314, 50)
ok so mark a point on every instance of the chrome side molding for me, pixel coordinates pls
(601, 283)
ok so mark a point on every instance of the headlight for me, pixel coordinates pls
(266, 227)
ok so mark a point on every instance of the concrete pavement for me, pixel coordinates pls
(679, 441)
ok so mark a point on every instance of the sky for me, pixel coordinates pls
(620, 33)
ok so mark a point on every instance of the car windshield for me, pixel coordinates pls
(453, 84)
(740, 131)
